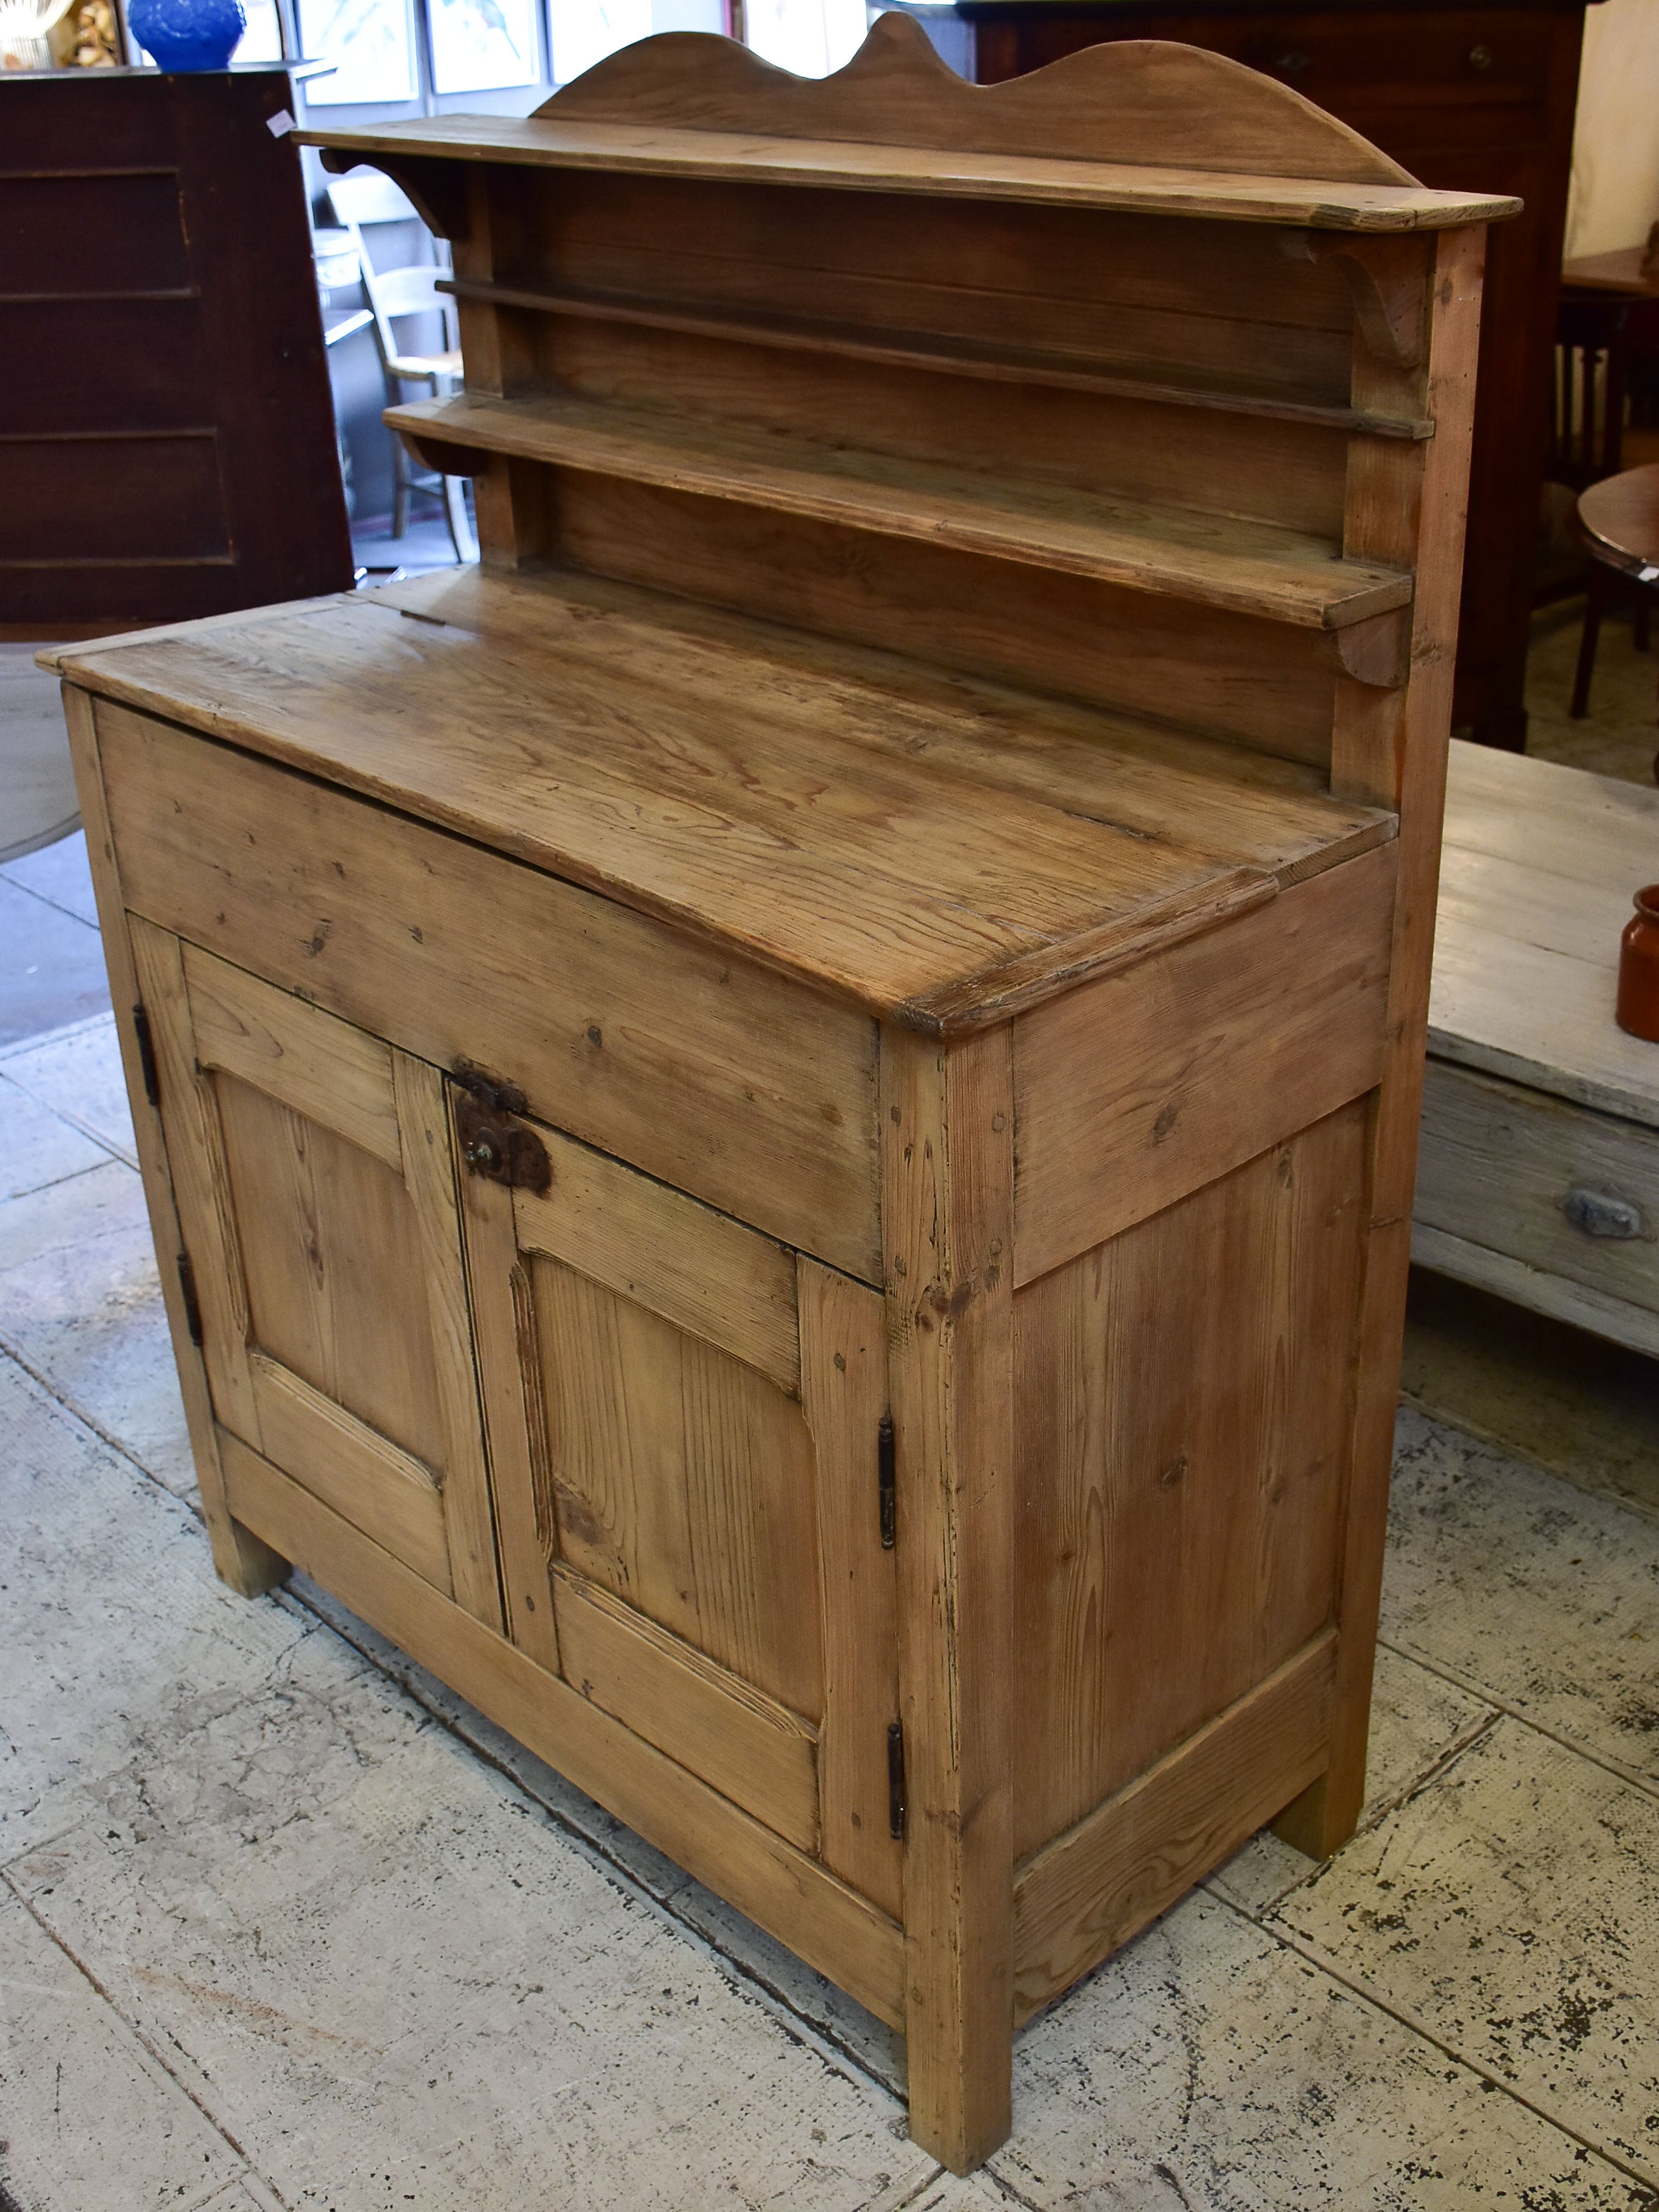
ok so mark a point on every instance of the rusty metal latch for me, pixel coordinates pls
(493, 1142)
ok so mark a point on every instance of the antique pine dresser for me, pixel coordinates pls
(780, 1124)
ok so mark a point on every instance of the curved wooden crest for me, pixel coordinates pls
(1137, 101)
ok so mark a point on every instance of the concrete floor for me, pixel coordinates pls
(282, 1923)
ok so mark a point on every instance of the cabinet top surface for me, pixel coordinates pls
(1138, 125)
(939, 849)
(1537, 874)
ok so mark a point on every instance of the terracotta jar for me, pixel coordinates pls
(1638, 1009)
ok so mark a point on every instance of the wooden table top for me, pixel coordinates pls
(1539, 868)
(935, 848)
(1617, 519)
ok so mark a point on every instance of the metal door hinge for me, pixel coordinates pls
(886, 1481)
(146, 1056)
(494, 1143)
(192, 1304)
(895, 1780)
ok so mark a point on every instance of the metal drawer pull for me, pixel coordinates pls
(1600, 1214)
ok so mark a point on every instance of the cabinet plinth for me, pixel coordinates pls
(782, 1123)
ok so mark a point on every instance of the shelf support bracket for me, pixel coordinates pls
(1388, 282)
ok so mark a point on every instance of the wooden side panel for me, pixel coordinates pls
(843, 1353)
(751, 1748)
(748, 1090)
(1182, 1400)
(947, 1221)
(1096, 1885)
(1134, 1091)
(682, 1482)
(786, 1892)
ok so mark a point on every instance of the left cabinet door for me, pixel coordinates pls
(314, 1177)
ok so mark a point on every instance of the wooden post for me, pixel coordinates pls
(947, 1211)
(1419, 523)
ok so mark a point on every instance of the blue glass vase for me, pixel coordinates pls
(188, 34)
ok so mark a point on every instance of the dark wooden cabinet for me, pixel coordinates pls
(167, 428)
(1467, 99)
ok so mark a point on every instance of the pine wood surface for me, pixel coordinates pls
(1217, 561)
(675, 769)
(887, 122)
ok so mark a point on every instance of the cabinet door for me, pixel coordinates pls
(315, 1183)
(684, 1424)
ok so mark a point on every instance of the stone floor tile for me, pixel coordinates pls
(36, 1146)
(115, 1634)
(1207, 2069)
(78, 1074)
(1512, 1908)
(395, 1983)
(844, 2023)
(59, 872)
(81, 1303)
(1528, 1587)
(51, 966)
(1417, 1719)
(91, 2124)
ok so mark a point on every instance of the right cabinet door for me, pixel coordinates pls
(684, 1428)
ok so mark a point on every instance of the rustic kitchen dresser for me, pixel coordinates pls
(782, 1123)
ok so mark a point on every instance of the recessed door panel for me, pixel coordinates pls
(684, 1421)
(314, 1176)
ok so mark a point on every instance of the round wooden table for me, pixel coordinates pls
(1617, 523)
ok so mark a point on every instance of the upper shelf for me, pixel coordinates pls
(542, 142)
(1250, 568)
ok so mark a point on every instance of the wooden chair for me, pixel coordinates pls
(397, 296)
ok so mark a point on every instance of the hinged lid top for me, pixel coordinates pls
(1138, 125)
(937, 848)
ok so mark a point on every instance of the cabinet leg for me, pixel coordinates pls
(242, 1560)
(947, 1202)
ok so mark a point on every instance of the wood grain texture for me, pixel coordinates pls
(1094, 1887)
(331, 1267)
(789, 1893)
(601, 1015)
(947, 1209)
(321, 1067)
(748, 1746)
(1327, 1815)
(1496, 1162)
(429, 1154)
(682, 1482)
(1535, 879)
(699, 1270)
(843, 1346)
(240, 1557)
(1183, 1403)
(1212, 560)
(896, 106)
(903, 882)
(1141, 1088)
(354, 1469)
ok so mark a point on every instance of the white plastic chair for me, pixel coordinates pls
(394, 295)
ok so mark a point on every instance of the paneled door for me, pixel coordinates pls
(315, 1182)
(686, 1429)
